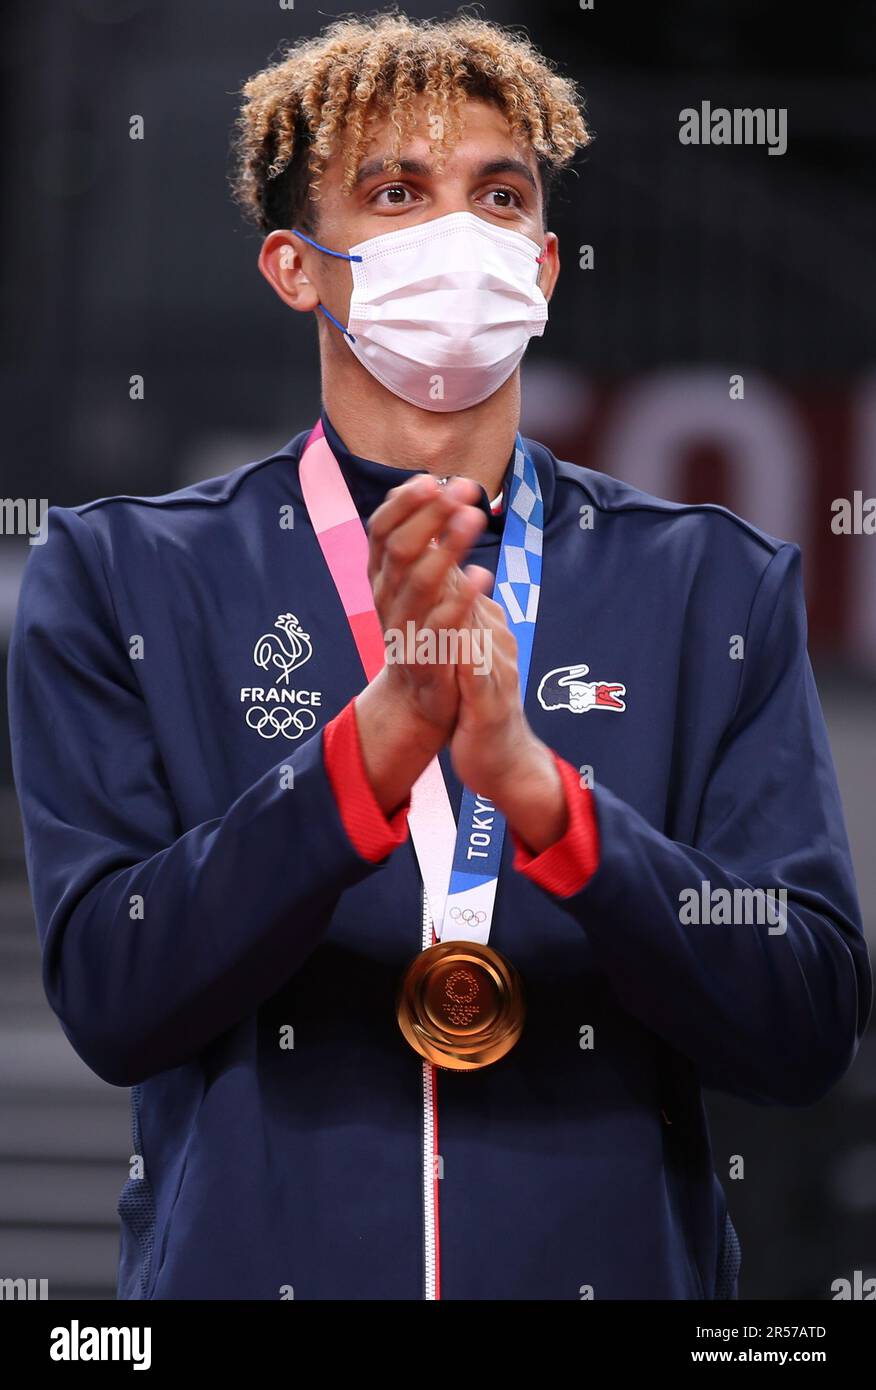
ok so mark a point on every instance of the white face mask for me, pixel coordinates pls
(441, 313)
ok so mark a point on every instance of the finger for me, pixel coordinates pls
(482, 578)
(399, 504)
(422, 498)
(403, 502)
(412, 591)
(494, 653)
(479, 682)
(454, 609)
(400, 501)
(443, 516)
(489, 621)
(492, 612)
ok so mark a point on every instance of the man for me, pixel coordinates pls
(219, 767)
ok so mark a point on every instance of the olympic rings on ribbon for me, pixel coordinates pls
(471, 916)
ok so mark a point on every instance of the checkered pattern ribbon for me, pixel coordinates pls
(480, 833)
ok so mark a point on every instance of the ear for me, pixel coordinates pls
(549, 270)
(281, 264)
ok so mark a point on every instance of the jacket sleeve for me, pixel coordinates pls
(155, 938)
(768, 1013)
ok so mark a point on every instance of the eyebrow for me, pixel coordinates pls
(508, 166)
(373, 167)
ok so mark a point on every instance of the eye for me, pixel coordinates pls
(503, 199)
(393, 195)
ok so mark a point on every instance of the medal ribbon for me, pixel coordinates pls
(466, 857)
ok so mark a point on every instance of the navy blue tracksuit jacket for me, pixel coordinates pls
(173, 664)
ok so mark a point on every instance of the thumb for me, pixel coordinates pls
(483, 579)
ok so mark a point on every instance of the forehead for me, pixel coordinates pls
(484, 135)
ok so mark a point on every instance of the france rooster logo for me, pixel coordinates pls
(564, 688)
(273, 653)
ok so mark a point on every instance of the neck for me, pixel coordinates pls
(373, 423)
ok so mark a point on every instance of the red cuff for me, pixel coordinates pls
(567, 865)
(372, 836)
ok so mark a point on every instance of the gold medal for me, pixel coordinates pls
(461, 1005)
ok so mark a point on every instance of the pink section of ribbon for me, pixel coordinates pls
(334, 505)
(344, 545)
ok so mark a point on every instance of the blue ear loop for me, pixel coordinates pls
(342, 256)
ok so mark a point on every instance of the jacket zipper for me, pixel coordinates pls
(431, 1240)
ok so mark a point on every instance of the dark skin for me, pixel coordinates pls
(419, 537)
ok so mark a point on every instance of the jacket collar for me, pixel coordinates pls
(370, 481)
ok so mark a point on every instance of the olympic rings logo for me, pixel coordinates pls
(469, 915)
(272, 722)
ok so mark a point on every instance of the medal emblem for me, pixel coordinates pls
(461, 1005)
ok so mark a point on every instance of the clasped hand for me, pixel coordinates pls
(468, 694)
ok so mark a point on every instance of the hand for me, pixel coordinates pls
(417, 539)
(493, 749)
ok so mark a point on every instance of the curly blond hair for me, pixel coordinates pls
(324, 95)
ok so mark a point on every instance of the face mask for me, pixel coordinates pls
(441, 313)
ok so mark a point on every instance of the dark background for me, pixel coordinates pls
(122, 257)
